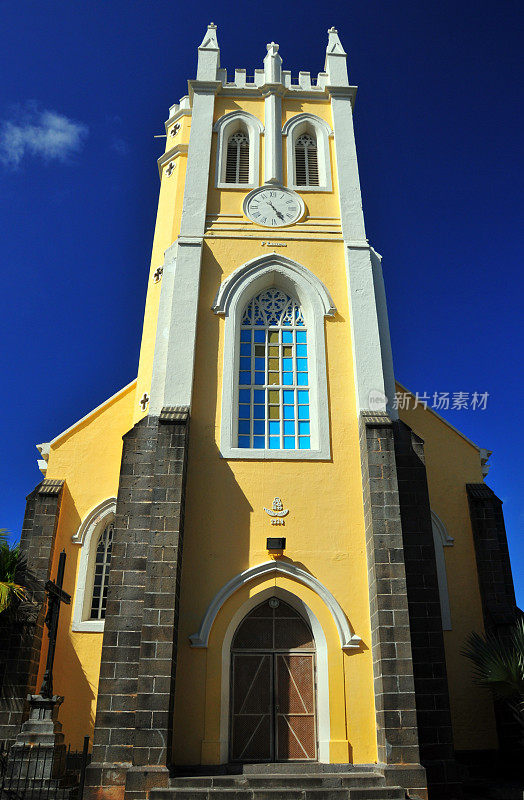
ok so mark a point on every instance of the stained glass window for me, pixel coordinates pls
(273, 381)
(102, 564)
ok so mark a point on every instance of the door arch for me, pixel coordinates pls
(273, 686)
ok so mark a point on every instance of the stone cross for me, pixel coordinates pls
(144, 401)
(55, 596)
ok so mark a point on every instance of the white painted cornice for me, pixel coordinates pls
(177, 150)
(348, 640)
(182, 112)
(298, 118)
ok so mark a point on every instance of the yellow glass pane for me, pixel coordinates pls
(260, 350)
(274, 412)
(287, 352)
(273, 378)
(273, 337)
(273, 395)
(273, 351)
(273, 363)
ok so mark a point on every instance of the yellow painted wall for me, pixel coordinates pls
(451, 462)
(88, 458)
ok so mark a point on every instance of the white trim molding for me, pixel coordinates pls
(442, 539)
(225, 127)
(87, 538)
(348, 640)
(322, 697)
(265, 272)
(295, 127)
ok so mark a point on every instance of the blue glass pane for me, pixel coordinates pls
(243, 441)
(303, 412)
(301, 337)
(303, 427)
(289, 396)
(287, 337)
(301, 350)
(304, 443)
(245, 377)
(302, 364)
(259, 427)
(243, 412)
(274, 443)
(245, 349)
(259, 378)
(245, 363)
(259, 442)
(289, 442)
(287, 379)
(289, 427)
(286, 322)
(243, 395)
(303, 396)
(259, 336)
(274, 427)
(260, 363)
(302, 379)
(245, 336)
(243, 426)
(289, 412)
(259, 396)
(287, 363)
(258, 412)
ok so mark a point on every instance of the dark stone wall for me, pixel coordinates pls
(396, 715)
(22, 642)
(427, 639)
(133, 727)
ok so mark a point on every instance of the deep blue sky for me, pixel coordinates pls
(439, 122)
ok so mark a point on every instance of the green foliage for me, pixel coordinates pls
(12, 567)
(499, 665)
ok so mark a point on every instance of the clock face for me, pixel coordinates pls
(273, 207)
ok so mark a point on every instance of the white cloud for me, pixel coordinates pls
(42, 133)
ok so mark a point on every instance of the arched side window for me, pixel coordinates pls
(274, 389)
(306, 160)
(442, 539)
(95, 537)
(308, 153)
(101, 575)
(238, 150)
(237, 159)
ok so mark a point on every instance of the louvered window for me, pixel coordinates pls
(306, 161)
(237, 160)
(102, 564)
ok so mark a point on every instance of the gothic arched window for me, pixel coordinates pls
(237, 158)
(273, 377)
(306, 160)
(101, 574)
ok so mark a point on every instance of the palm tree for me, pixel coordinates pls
(12, 569)
(499, 665)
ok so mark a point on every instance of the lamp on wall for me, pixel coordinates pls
(276, 546)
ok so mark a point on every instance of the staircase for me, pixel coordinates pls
(276, 785)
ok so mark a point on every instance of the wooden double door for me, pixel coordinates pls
(273, 709)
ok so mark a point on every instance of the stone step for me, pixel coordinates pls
(290, 781)
(280, 793)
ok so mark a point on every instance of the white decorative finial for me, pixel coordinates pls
(336, 60)
(212, 25)
(209, 55)
(332, 29)
(273, 46)
(272, 64)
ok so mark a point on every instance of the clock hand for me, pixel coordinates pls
(276, 212)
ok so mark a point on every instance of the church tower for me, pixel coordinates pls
(267, 564)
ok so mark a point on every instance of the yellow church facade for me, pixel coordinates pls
(267, 564)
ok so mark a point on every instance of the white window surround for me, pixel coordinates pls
(442, 539)
(264, 272)
(295, 127)
(224, 127)
(322, 698)
(87, 537)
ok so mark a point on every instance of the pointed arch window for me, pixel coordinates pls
(306, 160)
(273, 376)
(237, 158)
(101, 574)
